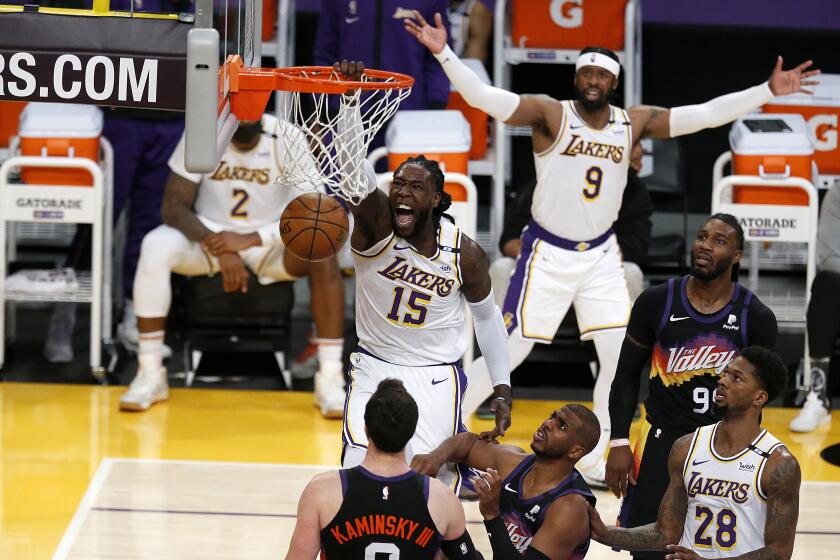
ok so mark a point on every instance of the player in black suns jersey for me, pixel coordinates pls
(381, 508)
(688, 329)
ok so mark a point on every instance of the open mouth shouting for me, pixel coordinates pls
(403, 214)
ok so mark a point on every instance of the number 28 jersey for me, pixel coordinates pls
(409, 307)
(727, 507)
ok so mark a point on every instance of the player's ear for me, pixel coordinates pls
(760, 398)
(576, 452)
(436, 198)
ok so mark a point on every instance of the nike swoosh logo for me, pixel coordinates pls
(436, 381)
(398, 248)
(349, 20)
(695, 462)
(675, 319)
(572, 127)
(509, 489)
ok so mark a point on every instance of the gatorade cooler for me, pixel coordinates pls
(54, 129)
(777, 145)
(476, 117)
(822, 113)
(568, 24)
(440, 135)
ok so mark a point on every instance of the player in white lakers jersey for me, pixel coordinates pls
(227, 221)
(569, 252)
(734, 488)
(414, 270)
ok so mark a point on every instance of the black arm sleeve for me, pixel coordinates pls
(633, 226)
(503, 549)
(624, 392)
(762, 328)
(461, 548)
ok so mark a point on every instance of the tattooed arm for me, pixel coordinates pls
(177, 209)
(669, 524)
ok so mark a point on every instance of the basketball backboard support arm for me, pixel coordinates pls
(210, 122)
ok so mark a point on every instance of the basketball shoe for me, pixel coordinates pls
(329, 391)
(148, 387)
(305, 364)
(58, 348)
(816, 411)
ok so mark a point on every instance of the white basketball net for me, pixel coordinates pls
(328, 142)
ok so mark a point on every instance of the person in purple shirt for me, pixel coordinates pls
(371, 31)
(142, 140)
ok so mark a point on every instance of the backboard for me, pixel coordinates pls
(223, 28)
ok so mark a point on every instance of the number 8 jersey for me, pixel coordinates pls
(409, 309)
(727, 507)
(581, 177)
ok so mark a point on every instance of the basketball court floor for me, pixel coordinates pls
(217, 474)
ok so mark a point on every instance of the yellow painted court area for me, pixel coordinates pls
(221, 470)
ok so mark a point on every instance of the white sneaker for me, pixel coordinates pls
(58, 348)
(595, 476)
(146, 389)
(329, 394)
(813, 415)
(129, 336)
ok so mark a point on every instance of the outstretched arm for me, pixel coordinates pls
(490, 330)
(467, 448)
(513, 109)
(657, 122)
(669, 524)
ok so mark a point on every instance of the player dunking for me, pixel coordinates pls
(381, 508)
(688, 329)
(582, 151)
(414, 269)
(734, 488)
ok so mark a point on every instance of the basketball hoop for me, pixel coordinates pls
(327, 121)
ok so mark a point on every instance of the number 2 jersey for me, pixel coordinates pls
(242, 195)
(581, 177)
(409, 308)
(381, 518)
(727, 507)
(690, 349)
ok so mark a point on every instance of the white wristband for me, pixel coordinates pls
(621, 442)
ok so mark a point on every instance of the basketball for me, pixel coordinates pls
(314, 226)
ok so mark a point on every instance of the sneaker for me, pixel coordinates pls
(305, 364)
(146, 389)
(813, 415)
(595, 476)
(329, 394)
(58, 348)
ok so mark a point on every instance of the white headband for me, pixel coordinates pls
(598, 59)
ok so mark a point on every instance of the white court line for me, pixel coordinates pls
(82, 511)
(225, 463)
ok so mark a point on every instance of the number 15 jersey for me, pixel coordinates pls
(409, 309)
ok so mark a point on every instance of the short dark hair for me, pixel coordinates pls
(391, 416)
(601, 50)
(733, 222)
(770, 370)
(436, 173)
(590, 432)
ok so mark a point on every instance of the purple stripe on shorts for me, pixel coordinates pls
(517, 280)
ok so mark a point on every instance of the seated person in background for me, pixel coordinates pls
(632, 230)
(341, 513)
(471, 24)
(543, 510)
(228, 222)
(823, 320)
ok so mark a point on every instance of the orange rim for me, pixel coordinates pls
(324, 79)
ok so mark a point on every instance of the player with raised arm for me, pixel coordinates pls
(381, 507)
(534, 505)
(734, 488)
(582, 151)
(414, 270)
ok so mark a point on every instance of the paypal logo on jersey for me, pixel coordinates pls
(730, 323)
